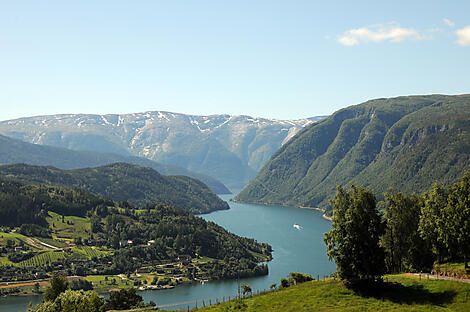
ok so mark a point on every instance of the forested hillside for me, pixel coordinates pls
(406, 143)
(128, 238)
(124, 182)
(13, 151)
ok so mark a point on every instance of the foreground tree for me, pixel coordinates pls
(72, 301)
(353, 241)
(58, 285)
(455, 229)
(405, 250)
(124, 299)
(431, 221)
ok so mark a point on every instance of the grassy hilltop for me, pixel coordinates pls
(400, 293)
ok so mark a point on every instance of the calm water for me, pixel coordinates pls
(294, 251)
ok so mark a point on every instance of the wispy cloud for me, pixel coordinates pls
(448, 22)
(377, 33)
(463, 36)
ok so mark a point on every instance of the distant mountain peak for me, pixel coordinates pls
(231, 148)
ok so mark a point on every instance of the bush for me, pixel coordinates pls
(297, 278)
(284, 283)
(82, 284)
(124, 299)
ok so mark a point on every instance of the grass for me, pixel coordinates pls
(43, 259)
(103, 282)
(72, 227)
(91, 252)
(398, 293)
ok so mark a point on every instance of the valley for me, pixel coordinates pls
(231, 148)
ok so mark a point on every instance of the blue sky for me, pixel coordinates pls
(276, 59)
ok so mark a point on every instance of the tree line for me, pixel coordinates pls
(401, 233)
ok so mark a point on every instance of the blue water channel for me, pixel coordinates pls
(295, 250)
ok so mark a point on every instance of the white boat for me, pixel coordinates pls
(298, 227)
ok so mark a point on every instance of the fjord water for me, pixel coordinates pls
(294, 251)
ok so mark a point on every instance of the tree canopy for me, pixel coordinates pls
(353, 241)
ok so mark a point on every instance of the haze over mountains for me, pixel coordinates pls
(231, 149)
(405, 143)
(13, 151)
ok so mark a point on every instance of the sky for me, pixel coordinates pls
(274, 59)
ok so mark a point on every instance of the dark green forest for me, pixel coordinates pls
(124, 182)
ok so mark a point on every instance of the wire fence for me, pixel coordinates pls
(200, 303)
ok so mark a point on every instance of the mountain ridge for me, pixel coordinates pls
(231, 148)
(16, 151)
(137, 185)
(351, 146)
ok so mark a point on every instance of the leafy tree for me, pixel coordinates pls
(430, 220)
(353, 241)
(58, 285)
(404, 248)
(284, 283)
(124, 299)
(297, 278)
(81, 284)
(68, 301)
(455, 230)
(246, 289)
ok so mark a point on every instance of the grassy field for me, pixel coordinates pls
(72, 227)
(104, 282)
(399, 293)
(43, 259)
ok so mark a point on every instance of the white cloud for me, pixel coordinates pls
(464, 36)
(448, 22)
(377, 33)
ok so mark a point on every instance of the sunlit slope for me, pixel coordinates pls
(406, 143)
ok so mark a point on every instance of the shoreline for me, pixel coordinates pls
(324, 216)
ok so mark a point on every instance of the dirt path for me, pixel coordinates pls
(427, 275)
(23, 284)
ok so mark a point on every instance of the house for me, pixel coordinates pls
(150, 242)
(125, 243)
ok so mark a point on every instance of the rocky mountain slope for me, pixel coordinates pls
(229, 148)
(405, 143)
(124, 182)
(13, 151)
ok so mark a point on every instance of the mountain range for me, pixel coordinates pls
(229, 148)
(404, 143)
